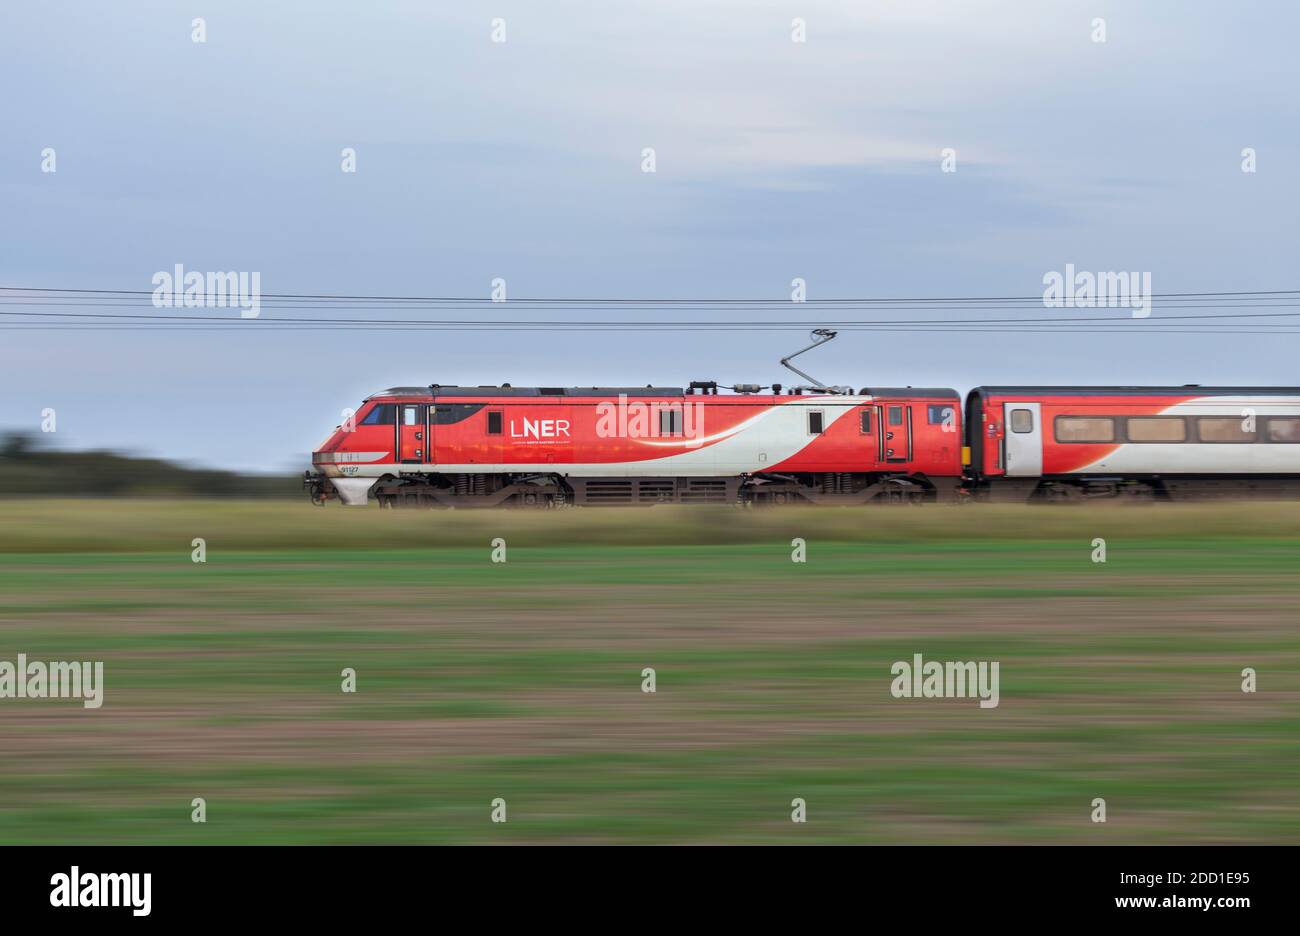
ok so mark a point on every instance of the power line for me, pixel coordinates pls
(1279, 302)
(34, 311)
(1051, 321)
(615, 301)
(54, 328)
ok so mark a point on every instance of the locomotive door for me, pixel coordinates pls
(411, 431)
(1023, 435)
(895, 433)
(872, 431)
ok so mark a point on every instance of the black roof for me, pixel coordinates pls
(401, 391)
(555, 391)
(941, 392)
(1184, 390)
(437, 390)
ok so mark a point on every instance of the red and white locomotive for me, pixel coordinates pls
(486, 446)
(544, 446)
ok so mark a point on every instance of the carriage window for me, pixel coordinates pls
(866, 421)
(670, 422)
(1157, 429)
(1284, 429)
(384, 414)
(1085, 429)
(494, 422)
(1224, 429)
(1022, 420)
(815, 421)
(410, 415)
(940, 415)
(895, 415)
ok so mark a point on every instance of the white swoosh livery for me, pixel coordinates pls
(754, 445)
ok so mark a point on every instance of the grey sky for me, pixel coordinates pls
(522, 160)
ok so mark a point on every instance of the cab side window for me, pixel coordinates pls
(384, 414)
(940, 415)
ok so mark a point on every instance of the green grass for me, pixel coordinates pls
(522, 680)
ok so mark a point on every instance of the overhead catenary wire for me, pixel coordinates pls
(785, 301)
(268, 304)
(29, 309)
(1048, 322)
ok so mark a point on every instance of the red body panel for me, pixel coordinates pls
(551, 433)
(1210, 432)
(1062, 458)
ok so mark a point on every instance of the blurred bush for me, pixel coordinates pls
(28, 468)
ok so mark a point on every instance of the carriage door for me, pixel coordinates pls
(411, 432)
(1023, 435)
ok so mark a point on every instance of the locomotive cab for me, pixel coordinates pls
(375, 433)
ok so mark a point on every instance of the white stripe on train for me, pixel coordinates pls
(772, 437)
(1207, 457)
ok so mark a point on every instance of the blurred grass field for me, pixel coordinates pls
(522, 679)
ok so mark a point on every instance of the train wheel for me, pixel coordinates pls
(901, 491)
